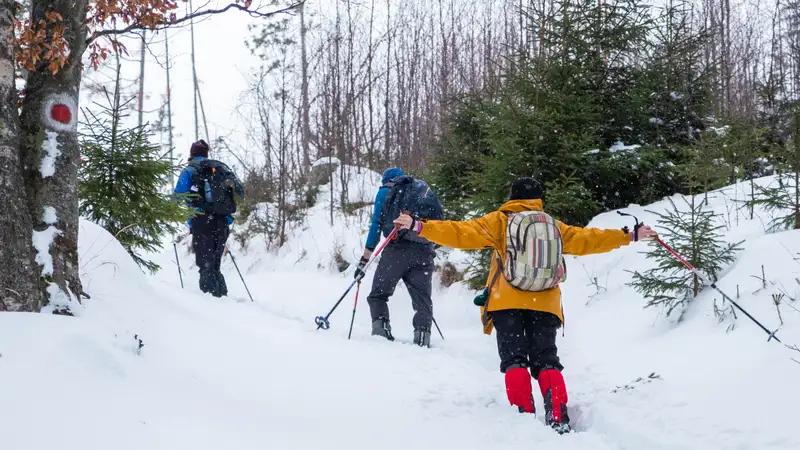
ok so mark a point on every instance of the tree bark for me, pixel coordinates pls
(19, 283)
(51, 154)
(169, 107)
(305, 137)
(141, 78)
(194, 77)
(796, 139)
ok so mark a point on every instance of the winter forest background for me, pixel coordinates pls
(682, 113)
(609, 103)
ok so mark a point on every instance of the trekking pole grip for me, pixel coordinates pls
(636, 225)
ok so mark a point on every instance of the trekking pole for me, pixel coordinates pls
(771, 335)
(240, 274)
(322, 322)
(178, 261)
(437, 326)
(430, 310)
(353, 318)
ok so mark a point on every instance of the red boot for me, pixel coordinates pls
(519, 389)
(554, 392)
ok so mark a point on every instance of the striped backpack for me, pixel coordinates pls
(534, 259)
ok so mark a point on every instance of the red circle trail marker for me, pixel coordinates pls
(61, 113)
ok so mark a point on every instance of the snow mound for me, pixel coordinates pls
(330, 234)
(360, 184)
(151, 365)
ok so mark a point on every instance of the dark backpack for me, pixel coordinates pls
(409, 194)
(214, 183)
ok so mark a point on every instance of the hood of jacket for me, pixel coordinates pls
(515, 206)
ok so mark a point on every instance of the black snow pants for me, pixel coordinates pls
(209, 234)
(527, 338)
(413, 263)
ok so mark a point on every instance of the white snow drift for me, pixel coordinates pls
(148, 365)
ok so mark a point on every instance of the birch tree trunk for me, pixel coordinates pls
(305, 136)
(19, 285)
(141, 78)
(51, 156)
(169, 107)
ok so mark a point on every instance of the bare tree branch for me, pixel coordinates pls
(188, 17)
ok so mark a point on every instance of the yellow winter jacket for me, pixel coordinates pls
(489, 231)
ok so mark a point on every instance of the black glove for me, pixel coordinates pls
(360, 268)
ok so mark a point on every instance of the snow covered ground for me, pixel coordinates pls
(236, 374)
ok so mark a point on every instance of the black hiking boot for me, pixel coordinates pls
(562, 426)
(381, 327)
(422, 337)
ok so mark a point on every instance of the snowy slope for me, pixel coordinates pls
(236, 374)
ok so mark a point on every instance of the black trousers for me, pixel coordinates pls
(209, 234)
(412, 263)
(527, 338)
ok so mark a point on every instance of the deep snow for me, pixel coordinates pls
(236, 374)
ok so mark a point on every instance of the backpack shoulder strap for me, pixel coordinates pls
(388, 185)
(193, 165)
(390, 196)
(194, 168)
(387, 201)
(485, 317)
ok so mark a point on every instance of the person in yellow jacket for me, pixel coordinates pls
(526, 321)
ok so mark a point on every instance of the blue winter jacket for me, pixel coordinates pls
(185, 183)
(380, 198)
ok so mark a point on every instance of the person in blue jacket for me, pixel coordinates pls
(402, 259)
(209, 232)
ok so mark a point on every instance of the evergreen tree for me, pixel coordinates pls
(678, 81)
(783, 200)
(570, 201)
(692, 232)
(706, 167)
(588, 88)
(119, 180)
(640, 176)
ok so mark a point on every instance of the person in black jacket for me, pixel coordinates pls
(403, 259)
(209, 230)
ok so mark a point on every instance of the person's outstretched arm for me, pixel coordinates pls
(587, 241)
(472, 234)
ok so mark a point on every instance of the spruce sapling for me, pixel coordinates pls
(694, 234)
(119, 181)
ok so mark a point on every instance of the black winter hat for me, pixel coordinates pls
(199, 148)
(526, 188)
